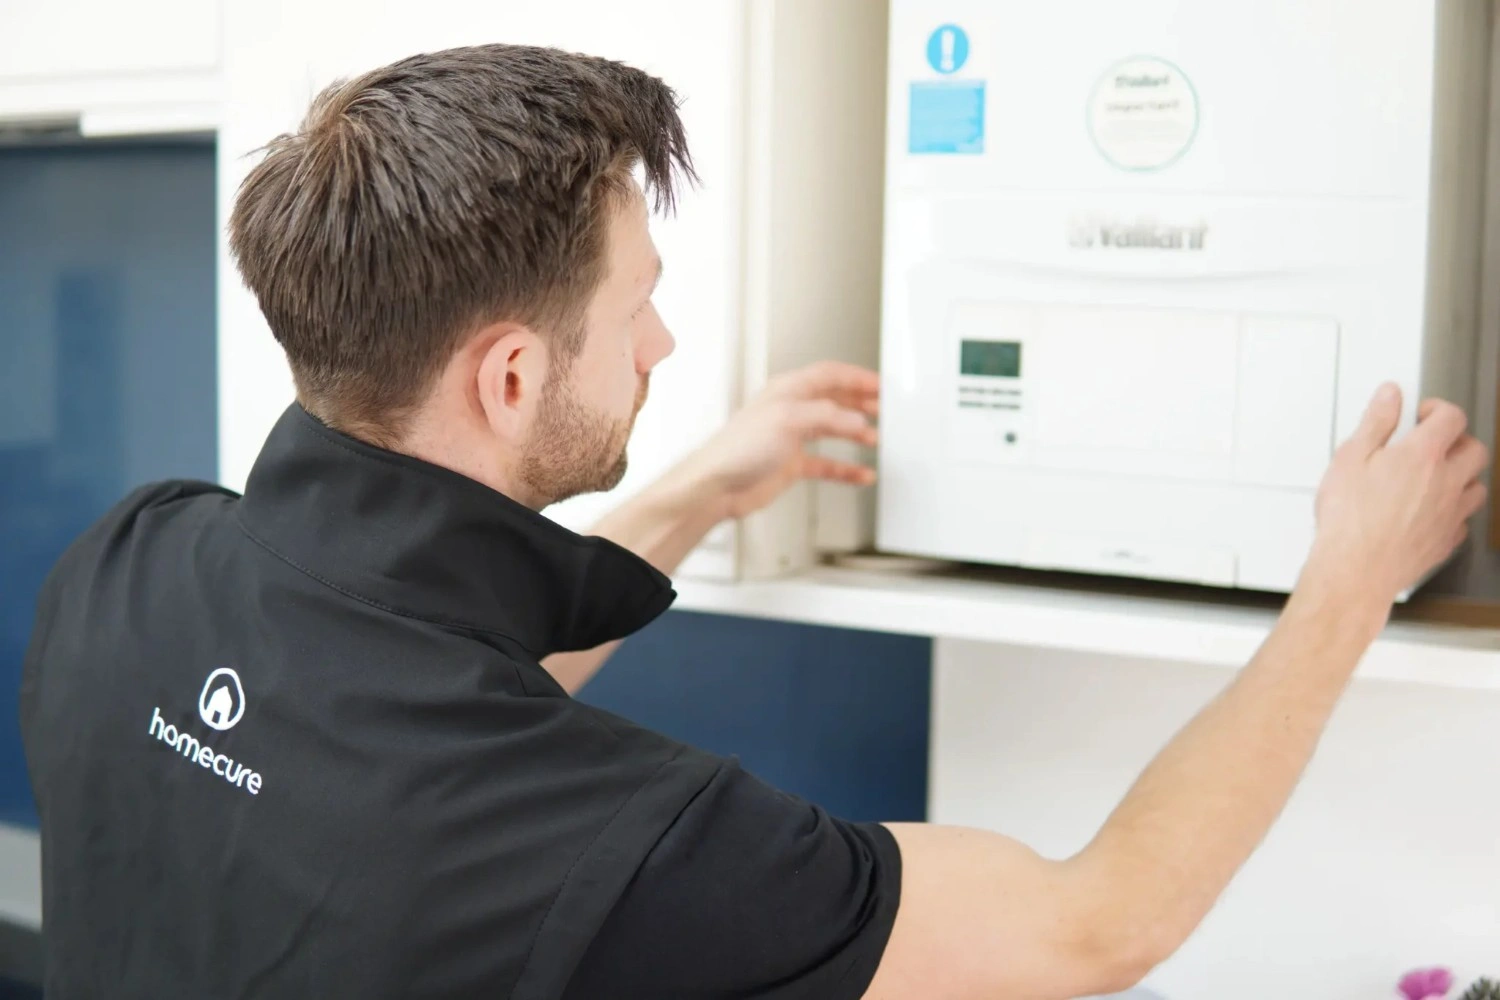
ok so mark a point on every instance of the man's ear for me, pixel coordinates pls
(511, 372)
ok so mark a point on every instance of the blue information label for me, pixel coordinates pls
(947, 116)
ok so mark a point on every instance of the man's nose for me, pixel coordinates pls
(656, 346)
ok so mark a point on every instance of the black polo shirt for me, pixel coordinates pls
(299, 744)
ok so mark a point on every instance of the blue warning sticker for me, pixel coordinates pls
(947, 116)
(948, 49)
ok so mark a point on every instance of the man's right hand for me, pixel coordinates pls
(1391, 512)
(983, 916)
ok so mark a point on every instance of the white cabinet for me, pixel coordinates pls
(148, 66)
(771, 261)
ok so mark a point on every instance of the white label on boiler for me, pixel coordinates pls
(1143, 113)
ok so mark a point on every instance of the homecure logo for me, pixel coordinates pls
(1092, 231)
(221, 705)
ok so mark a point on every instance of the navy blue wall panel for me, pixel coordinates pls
(837, 716)
(107, 360)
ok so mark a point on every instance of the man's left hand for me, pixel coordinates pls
(767, 445)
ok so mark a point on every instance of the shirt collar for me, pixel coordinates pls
(429, 543)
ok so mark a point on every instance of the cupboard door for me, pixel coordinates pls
(62, 39)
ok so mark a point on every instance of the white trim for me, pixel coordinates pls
(154, 119)
(140, 104)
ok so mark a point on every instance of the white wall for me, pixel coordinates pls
(1388, 856)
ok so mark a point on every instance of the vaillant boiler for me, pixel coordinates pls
(1146, 261)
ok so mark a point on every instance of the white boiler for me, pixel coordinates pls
(1147, 260)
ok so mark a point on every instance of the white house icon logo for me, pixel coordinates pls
(222, 702)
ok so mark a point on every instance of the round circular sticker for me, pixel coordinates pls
(1143, 113)
(948, 48)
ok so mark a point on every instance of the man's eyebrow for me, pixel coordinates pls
(659, 268)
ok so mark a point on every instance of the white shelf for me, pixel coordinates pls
(1194, 629)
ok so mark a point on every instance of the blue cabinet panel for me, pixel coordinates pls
(107, 360)
(837, 716)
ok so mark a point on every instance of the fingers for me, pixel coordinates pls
(1470, 502)
(1379, 422)
(868, 404)
(1468, 459)
(849, 385)
(1442, 427)
(1472, 499)
(819, 467)
(817, 418)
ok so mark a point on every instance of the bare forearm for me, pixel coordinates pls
(1098, 922)
(662, 525)
(1210, 796)
(666, 521)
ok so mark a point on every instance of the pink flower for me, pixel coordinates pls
(1424, 984)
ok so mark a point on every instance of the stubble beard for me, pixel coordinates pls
(575, 449)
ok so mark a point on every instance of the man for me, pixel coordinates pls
(386, 790)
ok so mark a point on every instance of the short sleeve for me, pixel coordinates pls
(752, 892)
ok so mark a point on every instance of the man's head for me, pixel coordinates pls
(453, 251)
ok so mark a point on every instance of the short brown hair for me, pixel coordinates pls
(425, 199)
